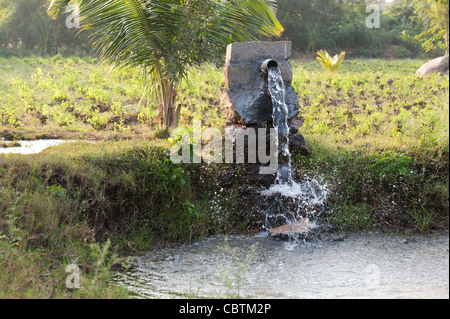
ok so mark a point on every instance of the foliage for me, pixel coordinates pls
(160, 39)
(25, 27)
(42, 27)
(330, 64)
(434, 14)
(85, 204)
(345, 27)
(381, 139)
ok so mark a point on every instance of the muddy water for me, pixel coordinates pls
(31, 147)
(359, 266)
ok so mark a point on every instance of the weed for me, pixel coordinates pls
(233, 277)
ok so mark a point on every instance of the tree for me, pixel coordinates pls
(161, 38)
(434, 14)
(41, 28)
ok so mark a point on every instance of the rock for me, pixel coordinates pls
(246, 105)
(252, 176)
(243, 73)
(439, 65)
(297, 144)
(295, 124)
(298, 229)
(227, 179)
(250, 51)
(246, 99)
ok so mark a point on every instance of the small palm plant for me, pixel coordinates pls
(330, 64)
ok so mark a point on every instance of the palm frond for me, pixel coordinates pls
(160, 38)
(330, 64)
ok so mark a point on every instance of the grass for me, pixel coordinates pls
(58, 204)
(378, 135)
(75, 98)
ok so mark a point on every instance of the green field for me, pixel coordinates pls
(378, 135)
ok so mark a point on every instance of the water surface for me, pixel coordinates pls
(31, 147)
(360, 266)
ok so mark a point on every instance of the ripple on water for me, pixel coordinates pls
(361, 266)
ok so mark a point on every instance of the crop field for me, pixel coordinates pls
(375, 110)
(73, 97)
(376, 100)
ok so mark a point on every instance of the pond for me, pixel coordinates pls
(355, 266)
(30, 147)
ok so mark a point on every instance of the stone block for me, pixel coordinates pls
(246, 99)
(439, 65)
(251, 51)
(248, 73)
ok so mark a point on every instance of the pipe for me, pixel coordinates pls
(269, 63)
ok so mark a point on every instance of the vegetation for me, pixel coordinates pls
(378, 134)
(159, 39)
(328, 63)
(345, 28)
(22, 32)
(381, 138)
(26, 28)
(434, 15)
(58, 206)
(389, 127)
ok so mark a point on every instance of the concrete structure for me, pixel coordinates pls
(246, 100)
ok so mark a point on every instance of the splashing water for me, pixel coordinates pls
(310, 192)
(294, 202)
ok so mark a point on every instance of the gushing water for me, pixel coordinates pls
(280, 122)
(289, 202)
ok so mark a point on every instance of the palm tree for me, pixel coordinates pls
(159, 39)
(42, 27)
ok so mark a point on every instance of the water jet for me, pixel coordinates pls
(259, 94)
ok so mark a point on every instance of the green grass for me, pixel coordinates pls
(378, 136)
(55, 205)
(81, 98)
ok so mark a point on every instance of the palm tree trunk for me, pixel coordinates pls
(170, 111)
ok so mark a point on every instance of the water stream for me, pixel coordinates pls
(280, 122)
(359, 266)
(289, 203)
